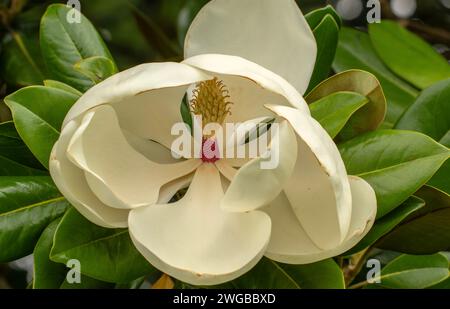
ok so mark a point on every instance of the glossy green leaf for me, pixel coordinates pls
(47, 274)
(105, 254)
(441, 180)
(334, 111)
(27, 205)
(326, 34)
(59, 85)
(408, 55)
(96, 68)
(365, 119)
(395, 163)
(64, 44)
(38, 113)
(415, 272)
(430, 113)
(51, 275)
(315, 17)
(21, 61)
(268, 274)
(426, 231)
(15, 158)
(388, 223)
(355, 51)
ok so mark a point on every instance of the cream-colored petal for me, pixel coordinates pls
(250, 86)
(169, 190)
(146, 98)
(226, 169)
(318, 189)
(194, 240)
(272, 33)
(290, 243)
(241, 136)
(150, 149)
(120, 176)
(255, 185)
(71, 182)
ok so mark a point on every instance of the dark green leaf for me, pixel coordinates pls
(64, 44)
(38, 113)
(388, 223)
(15, 158)
(314, 18)
(334, 111)
(20, 61)
(415, 272)
(51, 275)
(395, 163)
(268, 274)
(47, 274)
(105, 254)
(326, 34)
(27, 206)
(408, 55)
(426, 231)
(355, 51)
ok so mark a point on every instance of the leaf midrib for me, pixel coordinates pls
(27, 207)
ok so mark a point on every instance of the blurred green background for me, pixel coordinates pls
(138, 31)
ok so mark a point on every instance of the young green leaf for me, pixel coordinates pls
(408, 55)
(334, 111)
(355, 51)
(367, 118)
(64, 44)
(96, 68)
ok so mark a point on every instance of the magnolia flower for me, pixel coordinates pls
(113, 160)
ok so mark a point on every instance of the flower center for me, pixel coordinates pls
(210, 100)
(210, 150)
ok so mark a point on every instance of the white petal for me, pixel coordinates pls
(194, 240)
(250, 86)
(318, 189)
(290, 243)
(255, 186)
(272, 33)
(120, 176)
(71, 182)
(146, 98)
